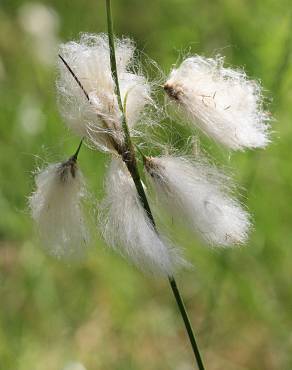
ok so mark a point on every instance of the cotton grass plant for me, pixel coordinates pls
(103, 97)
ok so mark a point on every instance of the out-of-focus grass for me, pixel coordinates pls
(101, 312)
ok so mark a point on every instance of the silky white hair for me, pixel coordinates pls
(199, 195)
(100, 118)
(56, 208)
(127, 228)
(221, 101)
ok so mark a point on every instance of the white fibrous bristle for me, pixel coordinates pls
(198, 194)
(127, 228)
(56, 208)
(221, 101)
(100, 117)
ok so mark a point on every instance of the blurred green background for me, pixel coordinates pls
(101, 313)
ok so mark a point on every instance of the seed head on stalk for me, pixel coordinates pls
(56, 207)
(221, 101)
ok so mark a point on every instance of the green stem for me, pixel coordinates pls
(75, 155)
(129, 158)
(128, 154)
(111, 41)
(187, 322)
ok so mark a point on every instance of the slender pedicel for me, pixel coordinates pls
(75, 77)
(109, 137)
(75, 155)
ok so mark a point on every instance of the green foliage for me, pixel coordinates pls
(102, 312)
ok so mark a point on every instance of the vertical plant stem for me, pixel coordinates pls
(129, 158)
(114, 70)
(187, 322)
(128, 155)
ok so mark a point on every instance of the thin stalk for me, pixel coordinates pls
(111, 41)
(129, 158)
(187, 322)
(75, 155)
(74, 76)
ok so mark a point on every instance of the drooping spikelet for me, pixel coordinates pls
(199, 195)
(221, 101)
(127, 228)
(56, 208)
(100, 119)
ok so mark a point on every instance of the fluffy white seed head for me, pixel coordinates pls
(199, 195)
(127, 229)
(100, 118)
(221, 101)
(56, 208)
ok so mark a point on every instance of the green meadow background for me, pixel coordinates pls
(100, 312)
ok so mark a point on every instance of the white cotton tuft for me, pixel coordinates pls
(136, 94)
(199, 195)
(221, 101)
(127, 228)
(56, 208)
(100, 119)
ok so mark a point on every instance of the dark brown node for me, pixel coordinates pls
(171, 92)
